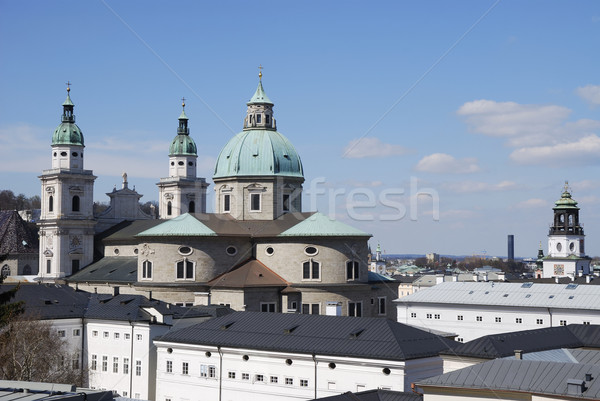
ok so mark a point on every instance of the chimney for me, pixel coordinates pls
(588, 279)
(502, 276)
(556, 279)
(439, 278)
(575, 386)
(518, 354)
(485, 277)
(475, 277)
(455, 277)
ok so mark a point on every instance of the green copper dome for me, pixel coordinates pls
(67, 133)
(565, 201)
(183, 144)
(258, 152)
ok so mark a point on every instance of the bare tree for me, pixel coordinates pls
(31, 350)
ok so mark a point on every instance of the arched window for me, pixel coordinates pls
(169, 208)
(75, 204)
(311, 270)
(5, 271)
(192, 207)
(147, 269)
(185, 270)
(51, 203)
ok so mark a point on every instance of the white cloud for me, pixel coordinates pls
(521, 124)
(590, 93)
(584, 151)
(476, 186)
(372, 147)
(24, 148)
(532, 204)
(443, 163)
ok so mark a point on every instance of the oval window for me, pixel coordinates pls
(310, 250)
(172, 163)
(55, 154)
(185, 250)
(270, 251)
(116, 251)
(231, 250)
(559, 247)
(572, 246)
(331, 365)
(386, 371)
(135, 251)
(180, 163)
(288, 362)
(74, 154)
(63, 153)
(191, 163)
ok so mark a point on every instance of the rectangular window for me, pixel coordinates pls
(169, 366)
(355, 309)
(436, 316)
(74, 266)
(286, 202)
(95, 333)
(315, 309)
(147, 269)
(479, 318)
(274, 379)
(231, 375)
(94, 364)
(539, 321)
(258, 118)
(430, 316)
(413, 314)
(245, 376)
(127, 336)
(136, 395)
(185, 269)
(255, 202)
(212, 371)
(267, 307)
(62, 333)
(259, 378)
(117, 335)
(48, 266)
(289, 381)
(459, 317)
(203, 371)
(138, 337)
(104, 363)
(586, 322)
(352, 270)
(518, 320)
(126, 366)
(185, 368)
(498, 319)
(381, 301)
(75, 361)
(138, 368)
(105, 334)
(303, 383)
(76, 332)
(227, 203)
(115, 364)
(460, 339)
(563, 322)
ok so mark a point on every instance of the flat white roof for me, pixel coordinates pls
(564, 296)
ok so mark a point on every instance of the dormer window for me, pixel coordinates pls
(267, 119)
(258, 118)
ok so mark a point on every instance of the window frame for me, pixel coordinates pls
(186, 265)
(352, 270)
(356, 307)
(309, 275)
(226, 203)
(255, 197)
(147, 270)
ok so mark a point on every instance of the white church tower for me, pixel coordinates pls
(566, 251)
(67, 221)
(182, 192)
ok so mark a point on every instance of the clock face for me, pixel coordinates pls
(559, 247)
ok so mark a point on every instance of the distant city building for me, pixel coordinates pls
(511, 247)
(432, 257)
(566, 252)
(378, 264)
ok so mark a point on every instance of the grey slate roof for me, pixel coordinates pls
(505, 344)
(564, 355)
(113, 269)
(532, 294)
(16, 236)
(375, 395)
(306, 334)
(35, 391)
(538, 377)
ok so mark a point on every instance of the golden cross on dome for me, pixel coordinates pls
(566, 186)
(182, 102)
(68, 86)
(260, 68)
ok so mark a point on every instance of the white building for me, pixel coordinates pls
(472, 310)
(271, 356)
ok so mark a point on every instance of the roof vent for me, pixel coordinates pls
(526, 285)
(290, 330)
(571, 286)
(356, 333)
(227, 325)
(48, 302)
(126, 301)
(588, 377)
(505, 295)
(575, 386)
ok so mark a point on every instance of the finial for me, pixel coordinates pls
(567, 186)
(183, 102)
(260, 67)
(68, 86)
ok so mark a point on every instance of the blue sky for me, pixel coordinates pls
(484, 108)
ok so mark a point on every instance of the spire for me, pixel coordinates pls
(260, 96)
(183, 120)
(68, 116)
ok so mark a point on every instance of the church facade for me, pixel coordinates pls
(259, 251)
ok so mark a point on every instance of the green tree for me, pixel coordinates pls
(8, 310)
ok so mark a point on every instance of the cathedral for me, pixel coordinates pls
(259, 251)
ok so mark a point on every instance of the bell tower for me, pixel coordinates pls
(182, 192)
(566, 250)
(67, 220)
